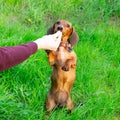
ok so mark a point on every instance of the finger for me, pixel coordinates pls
(58, 34)
(58, 38)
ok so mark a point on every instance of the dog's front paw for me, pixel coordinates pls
(65, 68)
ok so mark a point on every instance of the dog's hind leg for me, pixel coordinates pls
(50, 103)
(70, 104)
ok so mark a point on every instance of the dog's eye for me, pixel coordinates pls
(68, 25)
(57, 22)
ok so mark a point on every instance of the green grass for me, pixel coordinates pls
(96, 91)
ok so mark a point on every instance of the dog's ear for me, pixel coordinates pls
(73, 38)
(50, 31)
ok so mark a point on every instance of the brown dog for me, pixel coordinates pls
(64, 67)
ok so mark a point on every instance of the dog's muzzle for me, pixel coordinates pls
(60, 28)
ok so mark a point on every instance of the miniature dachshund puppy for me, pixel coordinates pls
(64, 67)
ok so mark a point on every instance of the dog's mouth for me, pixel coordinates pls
(61, 29)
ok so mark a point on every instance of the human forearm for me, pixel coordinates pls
(11, 56)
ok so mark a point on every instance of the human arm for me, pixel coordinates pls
(11, 56)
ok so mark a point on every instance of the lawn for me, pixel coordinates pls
(96, 90)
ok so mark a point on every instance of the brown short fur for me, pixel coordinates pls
(64, 67)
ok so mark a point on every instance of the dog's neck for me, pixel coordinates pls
(66, 45)
(65, 39)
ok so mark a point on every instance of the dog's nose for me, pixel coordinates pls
(60, 28)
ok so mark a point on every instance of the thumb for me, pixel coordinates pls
(58, 35)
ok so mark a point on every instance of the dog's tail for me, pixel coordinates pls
(61, 98)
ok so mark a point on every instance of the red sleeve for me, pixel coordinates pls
(11, 56)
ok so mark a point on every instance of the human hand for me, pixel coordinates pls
(49, 42)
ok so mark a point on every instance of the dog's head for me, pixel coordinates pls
(68, 32)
